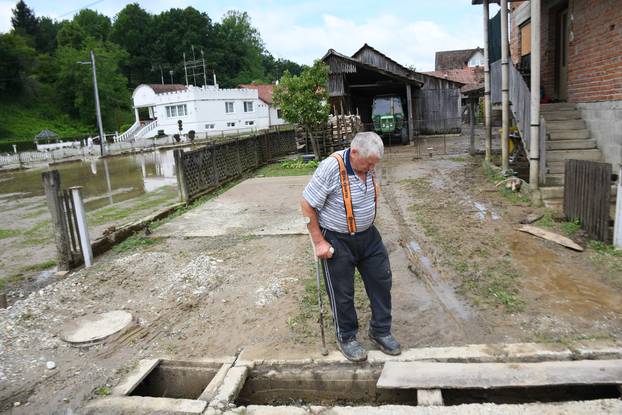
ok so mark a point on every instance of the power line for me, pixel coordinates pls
(80, 8)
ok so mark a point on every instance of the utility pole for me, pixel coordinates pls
(194, 76)
(161, 74)
(102, 136)
(171, 73)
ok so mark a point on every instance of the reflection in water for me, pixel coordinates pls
(122, 177)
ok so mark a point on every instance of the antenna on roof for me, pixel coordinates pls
(203, 60)
(185, 69)
(214, 73)
(194, 59)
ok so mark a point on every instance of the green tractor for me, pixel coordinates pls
(388, 117)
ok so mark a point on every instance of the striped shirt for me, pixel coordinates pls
(323, 193)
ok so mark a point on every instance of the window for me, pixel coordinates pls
(249, 123)
(209, 126)
(279, 113)
(525, 39)
(248, 106)
(176, 110)
(230, 124)
(229, 106)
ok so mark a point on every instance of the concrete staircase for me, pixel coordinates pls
(568, 138)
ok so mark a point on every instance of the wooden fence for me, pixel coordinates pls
(587, 196)
(202, 170)
(437, 111)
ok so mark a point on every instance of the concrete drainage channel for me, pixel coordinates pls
(477, 379)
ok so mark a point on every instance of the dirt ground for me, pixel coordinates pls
(462, 275)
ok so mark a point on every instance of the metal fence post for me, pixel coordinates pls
(617, 225)
(83, 230)
(51, 185)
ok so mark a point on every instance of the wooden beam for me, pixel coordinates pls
(409, 103)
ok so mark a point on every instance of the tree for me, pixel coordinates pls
(23, 20)
(132, 30)
(16, 65)
(238, 51)
(45, 39)
(71, 35)
(75, 82)
(303, 99)
(275, 68)
(94, 24)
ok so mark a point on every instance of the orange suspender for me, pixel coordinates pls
(345, 191)
(347, 196)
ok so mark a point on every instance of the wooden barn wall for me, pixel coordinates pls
(437, 111)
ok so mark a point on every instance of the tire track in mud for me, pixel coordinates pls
(419, 264)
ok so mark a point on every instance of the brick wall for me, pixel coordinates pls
(594, 54)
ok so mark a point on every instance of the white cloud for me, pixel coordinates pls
(409, 42)
(5, 15)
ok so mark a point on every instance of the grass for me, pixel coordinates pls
(546, 221)
(494, 285)
(41, 266)
(146, 202)
(133, 242)
(39, 233)
(295, 167)
(8, 233)
(515, 197)
(608, 258)
(103, 391)
(571, 228)
(11, 280)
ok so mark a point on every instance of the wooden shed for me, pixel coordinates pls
(432, 103)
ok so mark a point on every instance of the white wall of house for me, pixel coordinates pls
(205, 109)
(477, 59)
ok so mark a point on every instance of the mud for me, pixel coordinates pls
(458, 279)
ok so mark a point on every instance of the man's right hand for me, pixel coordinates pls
(323, 250)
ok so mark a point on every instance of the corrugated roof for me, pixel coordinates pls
(164, 88)
(264, 91)
(453, 59)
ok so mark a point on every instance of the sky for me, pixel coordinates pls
(408, 31)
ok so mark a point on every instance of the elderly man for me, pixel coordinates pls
(340, 202)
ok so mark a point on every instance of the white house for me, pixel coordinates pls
(203, 109)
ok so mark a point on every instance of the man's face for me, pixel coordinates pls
(362, 164)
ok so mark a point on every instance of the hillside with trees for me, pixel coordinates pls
(42, 84)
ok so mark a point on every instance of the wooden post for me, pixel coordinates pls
(472, 121)
(409, 103)
(3, 302)
(487, 106)
(83, 230)
(505, 88)
(181, 177)
(51, 185)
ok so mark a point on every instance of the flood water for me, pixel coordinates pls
(104, 181)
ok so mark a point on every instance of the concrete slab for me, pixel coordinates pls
(136, 376)
(601, 406)
(95, 328)
(257, 206)
(145, 405)
(431, 375)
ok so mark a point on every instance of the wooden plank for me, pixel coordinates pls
(434, 375)
(429, 397)
(550, 236)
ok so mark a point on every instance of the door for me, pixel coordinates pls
(562, 64)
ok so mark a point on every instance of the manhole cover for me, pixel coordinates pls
(95, 328)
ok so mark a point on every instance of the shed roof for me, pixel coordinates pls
(466, 76)
(454, 59)
(264, 90)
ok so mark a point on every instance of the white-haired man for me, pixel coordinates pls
(340, 202)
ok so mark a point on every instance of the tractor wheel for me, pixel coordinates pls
(404, 136)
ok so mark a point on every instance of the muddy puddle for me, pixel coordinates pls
(564, 284)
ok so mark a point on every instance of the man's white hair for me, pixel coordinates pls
(368, 144)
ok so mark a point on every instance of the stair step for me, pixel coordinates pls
(559, 155)
(558, 106)
(557, 192)
(555, 167)
(570, 144)
(567, 134)
(566, 125)
(561, 115)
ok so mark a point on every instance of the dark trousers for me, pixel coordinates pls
(365, 252)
